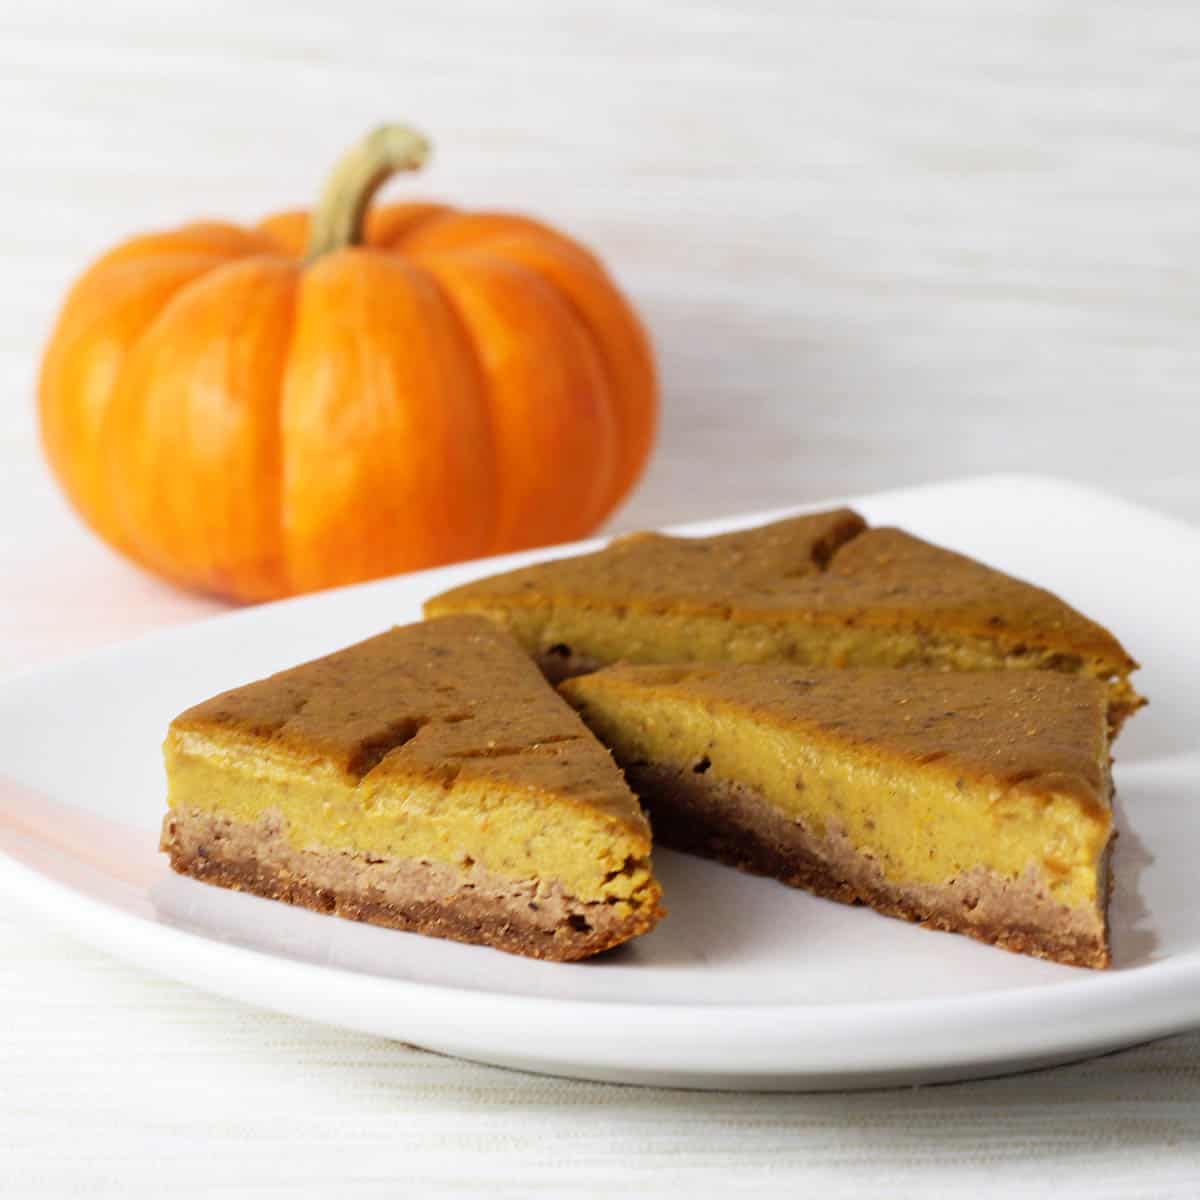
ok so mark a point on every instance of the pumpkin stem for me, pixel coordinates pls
(361, 172)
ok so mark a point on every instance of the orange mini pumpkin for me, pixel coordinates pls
(258, 412)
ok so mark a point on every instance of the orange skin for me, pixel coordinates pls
(253, 426)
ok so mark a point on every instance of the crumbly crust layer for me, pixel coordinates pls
(734, 824)
(537, 919)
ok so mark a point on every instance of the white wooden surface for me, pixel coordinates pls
(875, 243)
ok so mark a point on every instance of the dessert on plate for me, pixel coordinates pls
(824, 590)
(428, 779)
(974, 802)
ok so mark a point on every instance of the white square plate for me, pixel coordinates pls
(746, 983)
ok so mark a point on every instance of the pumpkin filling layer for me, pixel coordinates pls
(405, 781)
(921, 793)
(509, 833)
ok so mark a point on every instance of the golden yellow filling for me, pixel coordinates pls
(512, 833)
(652, 637)
(922, 823)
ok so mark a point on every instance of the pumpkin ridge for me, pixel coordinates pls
(410, 459)
(485, 384)
(614, 317)
(216, 239)
(616, 484)
(457, 230)
(381, 238)
(286, 229)
(86, 497)
(586, 408)
(136, 543)
(118, 516)
(284, 555)
(282, 564)
(279, 561)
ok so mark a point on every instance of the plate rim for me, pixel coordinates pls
(1099, 1020)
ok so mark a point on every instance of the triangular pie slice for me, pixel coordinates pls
(972, 802)
(822, 590)
(428, 779)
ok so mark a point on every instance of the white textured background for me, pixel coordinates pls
(875, 243)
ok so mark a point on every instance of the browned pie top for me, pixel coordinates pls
(1015, 727)
(827, 568)
(452, 698)
(656, 571)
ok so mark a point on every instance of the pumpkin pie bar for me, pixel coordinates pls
(428, 779)
(824, 590)
(971, 802)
